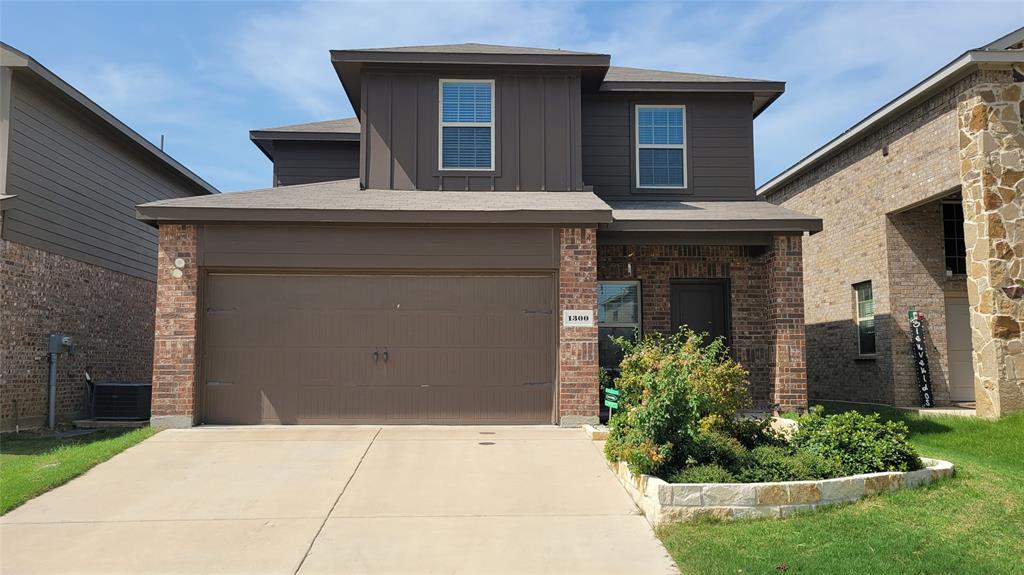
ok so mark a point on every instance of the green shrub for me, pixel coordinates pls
(714, 448)
(860, 443)
(669, 385)
(703, 474)
(772, 463)
(752, 432)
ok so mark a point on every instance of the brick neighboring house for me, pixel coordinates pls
(513, 208)
(921, 204)
(73, 258)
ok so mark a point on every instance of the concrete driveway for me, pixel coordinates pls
(339, 500)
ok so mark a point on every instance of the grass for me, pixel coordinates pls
(972, 523)
(32, 465)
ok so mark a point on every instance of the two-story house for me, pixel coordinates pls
(505, 211)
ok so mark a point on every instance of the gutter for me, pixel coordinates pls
(955, 70)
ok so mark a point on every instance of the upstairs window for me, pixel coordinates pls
(467, 125)
(953, 236)
(660, 146)
(865, 318)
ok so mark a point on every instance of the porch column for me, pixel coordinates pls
(992, 180)
(787, 360)
(577, 346)
(174, 352)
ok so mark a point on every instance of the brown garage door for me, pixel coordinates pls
(378, 349)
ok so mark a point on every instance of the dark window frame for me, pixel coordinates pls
(955, 259)
(637, 326)
(859, 319)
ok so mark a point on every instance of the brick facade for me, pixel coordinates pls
(108, 314)
(175, 393)
(577, 346)
(753, 334)
(786, 323)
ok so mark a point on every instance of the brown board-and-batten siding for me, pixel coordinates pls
(537, 119)
(304, 162)
(77, 185)
(719, 146)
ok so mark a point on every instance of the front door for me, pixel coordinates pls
(701, 305)
(958, 340)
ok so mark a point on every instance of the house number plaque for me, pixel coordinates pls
(577, 318)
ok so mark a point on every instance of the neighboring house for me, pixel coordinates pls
(513, 208)
(921, 203)
(73, 258)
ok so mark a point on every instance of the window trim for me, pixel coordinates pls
(945, 254)
(441, 124)
(638, 146)
(858, 319)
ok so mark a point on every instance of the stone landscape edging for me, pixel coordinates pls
(663, 502)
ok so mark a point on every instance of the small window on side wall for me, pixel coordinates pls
(660, 146)
(953, 238)
(466, 133)
(865, 306)
(618, 314)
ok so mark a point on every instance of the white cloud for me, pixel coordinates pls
(287, 51)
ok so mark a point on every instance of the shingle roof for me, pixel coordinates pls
(339, 126)
(624, 74)
(751, 215)
(343, 201)
(475, 48)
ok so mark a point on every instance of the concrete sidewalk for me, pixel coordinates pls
(339, 500)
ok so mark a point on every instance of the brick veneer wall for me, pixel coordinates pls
(860, 194)
(175, 393)
(578, 400)
(786, 323)
(753, 333)
(108, 314)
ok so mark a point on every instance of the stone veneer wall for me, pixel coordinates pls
(108, 314)
(992, 169)
(175, 393)
(578, 388)
(870, 199)
(754, 335)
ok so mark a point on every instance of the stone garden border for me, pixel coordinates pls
(663, 502)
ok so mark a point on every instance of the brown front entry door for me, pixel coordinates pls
(378, 349)
(701, 305)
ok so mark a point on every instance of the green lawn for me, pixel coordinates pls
(973, 523)
(33, 465)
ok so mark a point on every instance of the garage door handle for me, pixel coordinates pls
(537, 311)
(220, 383)
(376, 356)
(385, 356)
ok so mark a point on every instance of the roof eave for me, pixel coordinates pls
(945, 76)
(616, 86)
(156, 215)
(787, 225)
(471, 58)
(12, 57)
(265, 139)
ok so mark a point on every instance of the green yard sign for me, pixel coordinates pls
(611, 398)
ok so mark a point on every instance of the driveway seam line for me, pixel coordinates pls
(336, 500)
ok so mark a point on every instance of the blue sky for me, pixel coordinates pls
(204, 74)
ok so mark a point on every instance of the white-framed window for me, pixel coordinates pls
(660, 146)
(466, 132)
(865, 309)
(618, 314)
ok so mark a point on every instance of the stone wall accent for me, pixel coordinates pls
(868, 197)
(992, 170)
(786, 323)
(746, 267)
(175, 392)
(663, 502)
(578, 388)
(108, 314)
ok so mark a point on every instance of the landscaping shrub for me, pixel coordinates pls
(703, 474)
(714, 448)
(669, 385)
(860, 443)
(771, 463)
(754, 432)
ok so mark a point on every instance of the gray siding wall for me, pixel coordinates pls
(719, 138)
(537, 131)
(308, 162)
(78, 181)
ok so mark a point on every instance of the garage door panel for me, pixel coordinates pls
(300, 349)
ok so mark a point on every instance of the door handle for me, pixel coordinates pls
(376, 356)
(385, 356)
